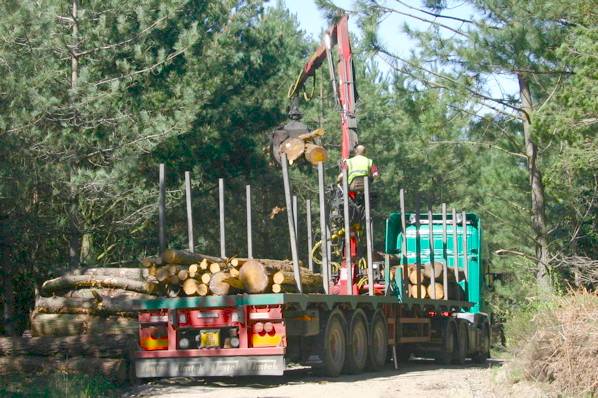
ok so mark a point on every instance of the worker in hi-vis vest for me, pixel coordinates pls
(360, 166)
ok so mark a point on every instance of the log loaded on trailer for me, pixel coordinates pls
(424, 298)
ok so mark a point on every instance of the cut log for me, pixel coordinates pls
(254, 277)
(319, 132)
(76, 324)
(293, 148)
(126, 273)
(235, 262)
(193, 268)
(276, 288)
(439, 290)
(162, 274)
(204, 264)
(219, 285)
(151, 261)
(234, 273)
(215, 267)
(202, 289)
(315, 153)
(173, 280)
(190, 286)
(113, 293)
(172, 269)
(310, 282)
(114, 369)
(96, 346)
(278, 277)
(182, 275)
(171, 256)
(96, 305)
(234, 283)
(205, 278)
(433, 271)
(65, 283)
(413, 291)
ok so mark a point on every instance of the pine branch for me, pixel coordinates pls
(489, 145)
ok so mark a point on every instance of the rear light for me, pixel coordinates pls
(235, 342)
(268, 327)
(259, 327)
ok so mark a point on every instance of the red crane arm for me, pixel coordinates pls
(344, 87)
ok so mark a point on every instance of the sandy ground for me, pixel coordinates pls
(414, 379)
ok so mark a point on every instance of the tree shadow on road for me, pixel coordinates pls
(295, 376)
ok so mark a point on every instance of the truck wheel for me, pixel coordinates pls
(462, 341)
(357, 343)
(449, 335)
(378, 342)
(484, 349)
(335, 345)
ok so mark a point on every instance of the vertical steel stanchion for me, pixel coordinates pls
(348, 268)
(162, 210)
(368, 233)
(221, 209)
(310, 260)
(249, 226)
(290, 218)
(404, 261)
(323, 229)
(418, 260)
(189, 211)
(444, 254)
(455, 247)
(295, 217)
(431, 244)
(465, 254)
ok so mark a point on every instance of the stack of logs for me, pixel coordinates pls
(431, 282)
(181, 273)
(83, 321)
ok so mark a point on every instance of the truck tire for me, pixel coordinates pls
(483, 350)
(462, 342)
(335, 345)
(357, 343)
(449, 337)
(378, 341)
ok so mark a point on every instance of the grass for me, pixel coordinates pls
(57, 385)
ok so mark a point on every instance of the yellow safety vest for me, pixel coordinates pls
(358, 166)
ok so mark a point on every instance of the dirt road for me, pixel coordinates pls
(413, 379)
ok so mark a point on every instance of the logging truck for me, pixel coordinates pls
(424, 296)
(260, 334)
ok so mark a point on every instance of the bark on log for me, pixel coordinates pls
(126, 273)
(219, 285)
(95, 346)
(162, 274)
(108, 305)
(151, 261)
(310, 282)
(76, 324)
(65, 283)
(115, 369)
(112, 293)
(173, 290)
(183, 257)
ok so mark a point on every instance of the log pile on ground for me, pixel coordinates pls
(431, 282)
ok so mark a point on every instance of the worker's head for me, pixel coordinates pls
(359, 150)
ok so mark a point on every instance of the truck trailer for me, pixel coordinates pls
(260, 334)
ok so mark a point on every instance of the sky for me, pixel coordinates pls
(390, 32)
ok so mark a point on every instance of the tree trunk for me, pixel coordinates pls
(67, 282)
(77, 324)
(105, 305)
(184, 257)
(114, 369)
(8, 299)
(95, 346)
(537, 187)
(111, 293)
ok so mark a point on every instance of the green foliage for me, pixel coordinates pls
(57, 385)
